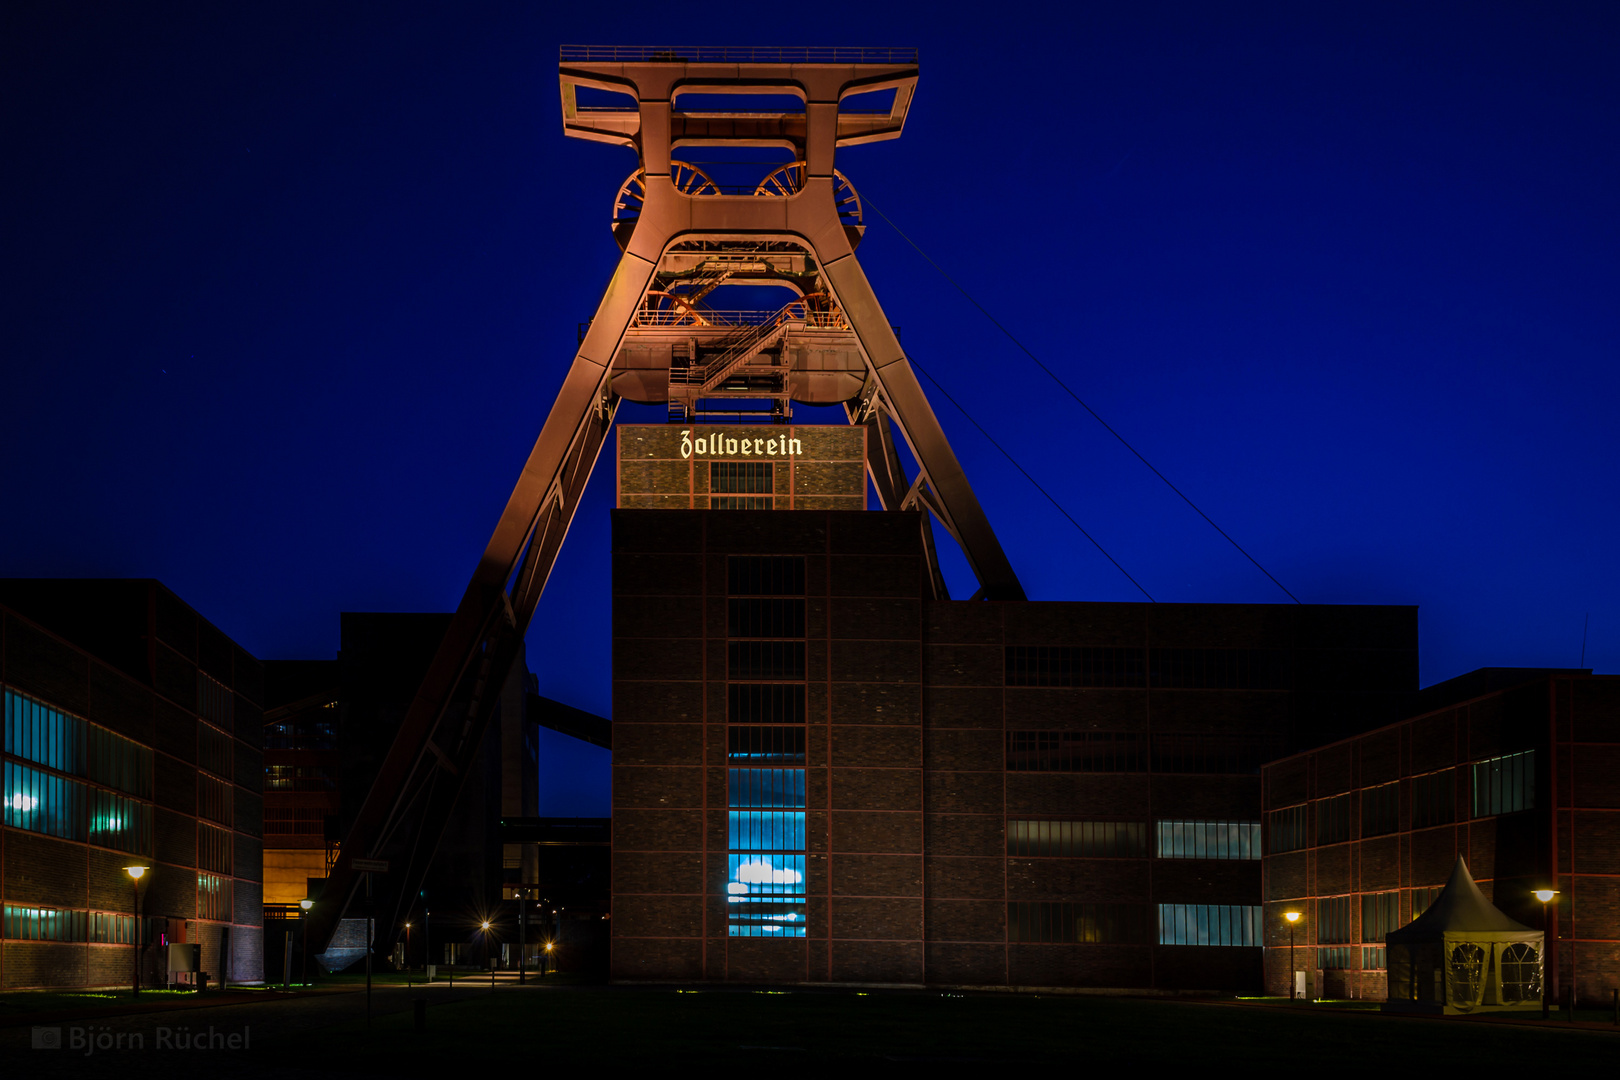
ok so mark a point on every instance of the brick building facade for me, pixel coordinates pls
(821, 774)
(132, 736)
(1517, 771)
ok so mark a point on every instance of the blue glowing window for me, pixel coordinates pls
(767, 787)
(42, 803)
(765, 886)
(758, 830)
(765, 895)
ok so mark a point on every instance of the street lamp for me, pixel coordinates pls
(485, 926)
(407, 954)
(135, 874)
(303, 931)
(523, 934)
(1549, 944)
(1293, 920)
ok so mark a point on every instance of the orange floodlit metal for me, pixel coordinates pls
(654, 339)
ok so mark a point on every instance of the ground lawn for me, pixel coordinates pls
(794, 1031)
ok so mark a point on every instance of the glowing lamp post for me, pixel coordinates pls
(1293, 920)
(1549, 945)
(135, 874)
(407, 954)
(487, 961)
(303, 932)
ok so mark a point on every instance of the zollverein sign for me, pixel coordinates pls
(742, 467)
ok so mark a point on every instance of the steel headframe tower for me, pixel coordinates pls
(652, 340)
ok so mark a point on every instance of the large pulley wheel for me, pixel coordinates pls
(632, 196)
(789, 180)
(669, 309)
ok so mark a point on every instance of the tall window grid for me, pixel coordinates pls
(765, 841)
(741, 485)
(1505, 785)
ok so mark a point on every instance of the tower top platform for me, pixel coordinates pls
(749, 95)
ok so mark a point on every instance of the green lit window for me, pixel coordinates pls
(42, 803)
(43, 924)
(1209, 924)
(1505, 785)
(120, 823)
(214, 897)
(1209, 839)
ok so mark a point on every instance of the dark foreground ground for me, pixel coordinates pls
(793, 1033)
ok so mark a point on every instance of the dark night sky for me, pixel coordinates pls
(289, 290)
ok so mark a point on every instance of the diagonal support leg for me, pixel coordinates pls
(958, 508)
(443, 727)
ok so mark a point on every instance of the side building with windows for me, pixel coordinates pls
(1516, 770)
(822, 773)
(132, 738)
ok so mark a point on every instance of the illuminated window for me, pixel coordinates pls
(765, 842)
(740, 485)
(1374, 958)
(42, 803)
(1209, 924)
(213, 897)
(44, 924)
(117, 822)
(38, 733)
(1505, 785)
(1078, 839)
(1209, 839)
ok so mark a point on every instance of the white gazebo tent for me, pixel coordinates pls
(1463, 955)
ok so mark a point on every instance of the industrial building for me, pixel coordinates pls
(824, 774)
(132, 738)
(1515, 770)
(328, 724)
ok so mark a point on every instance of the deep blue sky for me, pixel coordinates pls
(288, 291)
